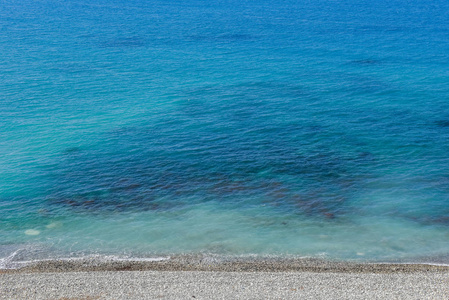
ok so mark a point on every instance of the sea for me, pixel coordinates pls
(239, 128)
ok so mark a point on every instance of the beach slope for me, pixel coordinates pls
(231, 280)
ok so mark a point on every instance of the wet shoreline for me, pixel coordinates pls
(220, 264)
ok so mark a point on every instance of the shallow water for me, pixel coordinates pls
(234, 128)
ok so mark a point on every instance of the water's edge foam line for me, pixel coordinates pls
(210, 263)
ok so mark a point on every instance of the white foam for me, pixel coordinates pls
(438, 265)
(415, 263)
(145, 259)
(8, 263)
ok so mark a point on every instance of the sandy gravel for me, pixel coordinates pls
(188, 277)
(223, 285)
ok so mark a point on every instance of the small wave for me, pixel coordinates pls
(8, 263)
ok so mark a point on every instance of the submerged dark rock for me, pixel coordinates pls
(329, 207)
(86, 203)
(72, 150)
(366, 62)
(442, 123)
(229, 37)
(127, 42)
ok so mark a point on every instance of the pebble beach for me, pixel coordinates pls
(202, 278)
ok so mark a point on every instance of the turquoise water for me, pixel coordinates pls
(305, 128)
